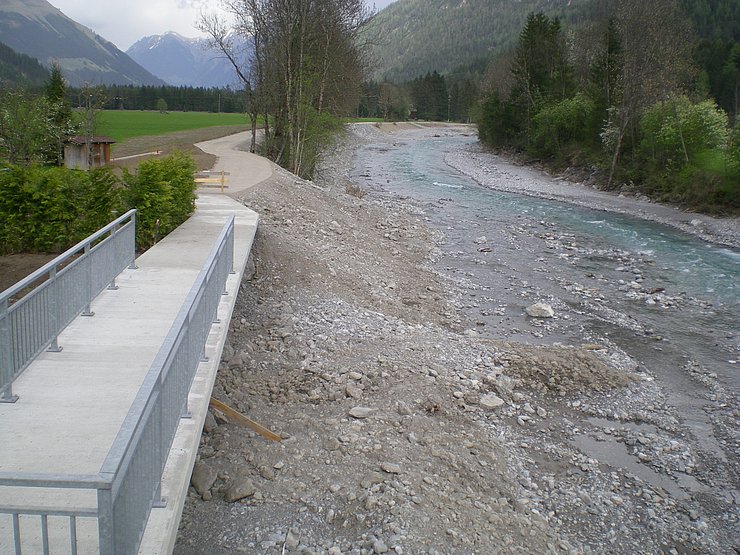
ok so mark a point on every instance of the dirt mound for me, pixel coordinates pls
(562, 370)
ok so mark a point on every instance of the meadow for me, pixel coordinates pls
(126, 124)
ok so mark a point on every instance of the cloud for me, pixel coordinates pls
(123, 23)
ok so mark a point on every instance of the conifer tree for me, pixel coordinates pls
(61, 124)
(540, 67)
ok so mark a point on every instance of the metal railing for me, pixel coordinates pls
(128, 485)
(73, 280)
(136, 460)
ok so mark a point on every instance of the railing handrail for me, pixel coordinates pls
(46, 268)
(121, 444)
(45, 511)
(46, 480)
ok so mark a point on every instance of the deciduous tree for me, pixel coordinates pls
(306, 64)
(655, 64)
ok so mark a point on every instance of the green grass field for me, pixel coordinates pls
(125, 124)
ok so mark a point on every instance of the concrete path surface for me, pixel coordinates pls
(72, 403)
(246, 169)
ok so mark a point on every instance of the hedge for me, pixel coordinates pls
(49, 209)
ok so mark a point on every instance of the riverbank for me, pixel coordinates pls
(494, 171)
(407, 428)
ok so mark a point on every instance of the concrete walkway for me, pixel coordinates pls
(71, 404)
(235, 158)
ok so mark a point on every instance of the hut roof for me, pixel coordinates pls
(96, 139)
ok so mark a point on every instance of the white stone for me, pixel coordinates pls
(360, 412)
(491, 401)
(390, 468)
(540, 310)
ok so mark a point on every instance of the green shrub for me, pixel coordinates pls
(676, 132)
(705, 190)
(47, 209)
(561, 124)
(688, 156)
(163, 192)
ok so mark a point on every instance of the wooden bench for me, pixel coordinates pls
(212, 180)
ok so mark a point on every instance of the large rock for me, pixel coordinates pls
(203, 478)
(540, 310)
(491, 401)
(390, 468)
(240, 488)
(235, 361)
(210, 424)
(360, 412)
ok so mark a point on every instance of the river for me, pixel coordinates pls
(668, 302)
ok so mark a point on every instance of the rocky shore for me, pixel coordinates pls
(407, 430)
(488, 169)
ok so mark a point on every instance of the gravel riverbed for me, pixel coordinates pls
(422, 414)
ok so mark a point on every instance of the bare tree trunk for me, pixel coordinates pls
(253, 145)
(617, 152)
(325, 68)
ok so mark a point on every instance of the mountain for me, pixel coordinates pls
(183, 61)
(410, 38)
(20, 70)
(38, 29)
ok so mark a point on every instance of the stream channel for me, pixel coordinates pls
(666, 301)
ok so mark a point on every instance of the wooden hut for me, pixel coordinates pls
(76, 153)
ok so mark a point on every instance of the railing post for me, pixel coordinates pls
(203, 357)
(88, 274)
(159, 501)
(17, 532)
(232, 247)
(45, 534)
(6, 356)
(73, 535)
(106, 529)
(112, 285)
(133, 265)
(54, 347)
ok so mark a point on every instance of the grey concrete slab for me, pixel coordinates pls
(72, 403)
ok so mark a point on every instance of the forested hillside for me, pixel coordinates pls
(413, 37)
(20, 70)
(38, 29)
(714, 19)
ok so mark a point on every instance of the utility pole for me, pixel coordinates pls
(89, 127)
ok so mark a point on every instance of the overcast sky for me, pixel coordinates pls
(125, 22)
